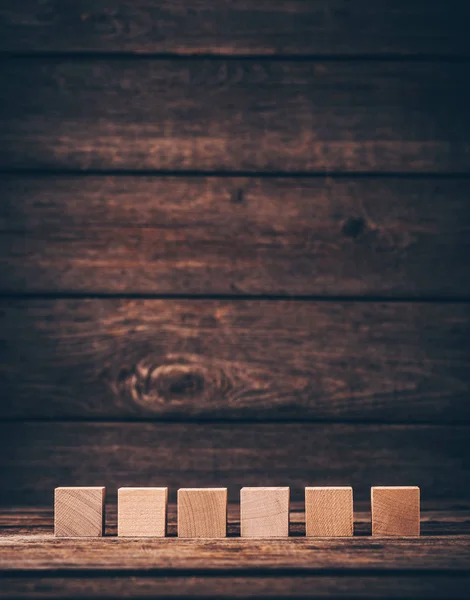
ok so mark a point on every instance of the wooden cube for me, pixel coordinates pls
(329, 511)
(395, 511)
(142, 512)
(264, 512)
(202, 512)
(79, 511)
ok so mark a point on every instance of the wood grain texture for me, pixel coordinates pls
(439, 517)
(142, 512)
(395, 511)
(264, 512)
(79, 511)
(31, 566)
(202, 513)
(301, 555)
(228, 455)
(240, 115)
(389, 586)
(212, 235)
(242, 27)
(201, 359)
(329, 512)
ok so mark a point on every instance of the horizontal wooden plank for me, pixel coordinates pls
(32, 563)
(25, 574)
(443, 519)
(47, 553)
(242, 27)
(387, 586)
(200, 359)
(37, 457)
(236, 360)
(237, 115)
(210, 235)
(70, 573)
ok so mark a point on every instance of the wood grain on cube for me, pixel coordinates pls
(395, 511)
(329, 511)
(79, 511)
(142, 512)
(202, 512)
(264, 512)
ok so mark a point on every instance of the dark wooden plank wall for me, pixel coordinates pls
(400, 362)
(391, 236)
(245, 27)
(252, 115)
(435, 457)
(234, 243)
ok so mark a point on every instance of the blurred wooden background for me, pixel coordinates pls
(234, 245)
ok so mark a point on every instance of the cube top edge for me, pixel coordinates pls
(329, 487)
(81, 487)
(266, 488)
(142, 489)
(207, 489)
(395, 487)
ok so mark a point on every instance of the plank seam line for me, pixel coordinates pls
(197, 174)
(86, 55)
(274, 572)
(91, 295)
(462, 423)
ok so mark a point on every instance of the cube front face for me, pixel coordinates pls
(395, 511)
(79, 511)
(202, 512)
(264, 512)
(142, 512)
(329, 512)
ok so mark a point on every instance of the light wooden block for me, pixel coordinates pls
(142, 512)
(202, 512)
(264, 512)
(329, 512)
(395, 511)
(79, 511)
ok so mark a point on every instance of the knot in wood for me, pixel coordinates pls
(173, 381)
(180, 384)
(354, 227)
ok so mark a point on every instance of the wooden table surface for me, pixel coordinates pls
(35, 564)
